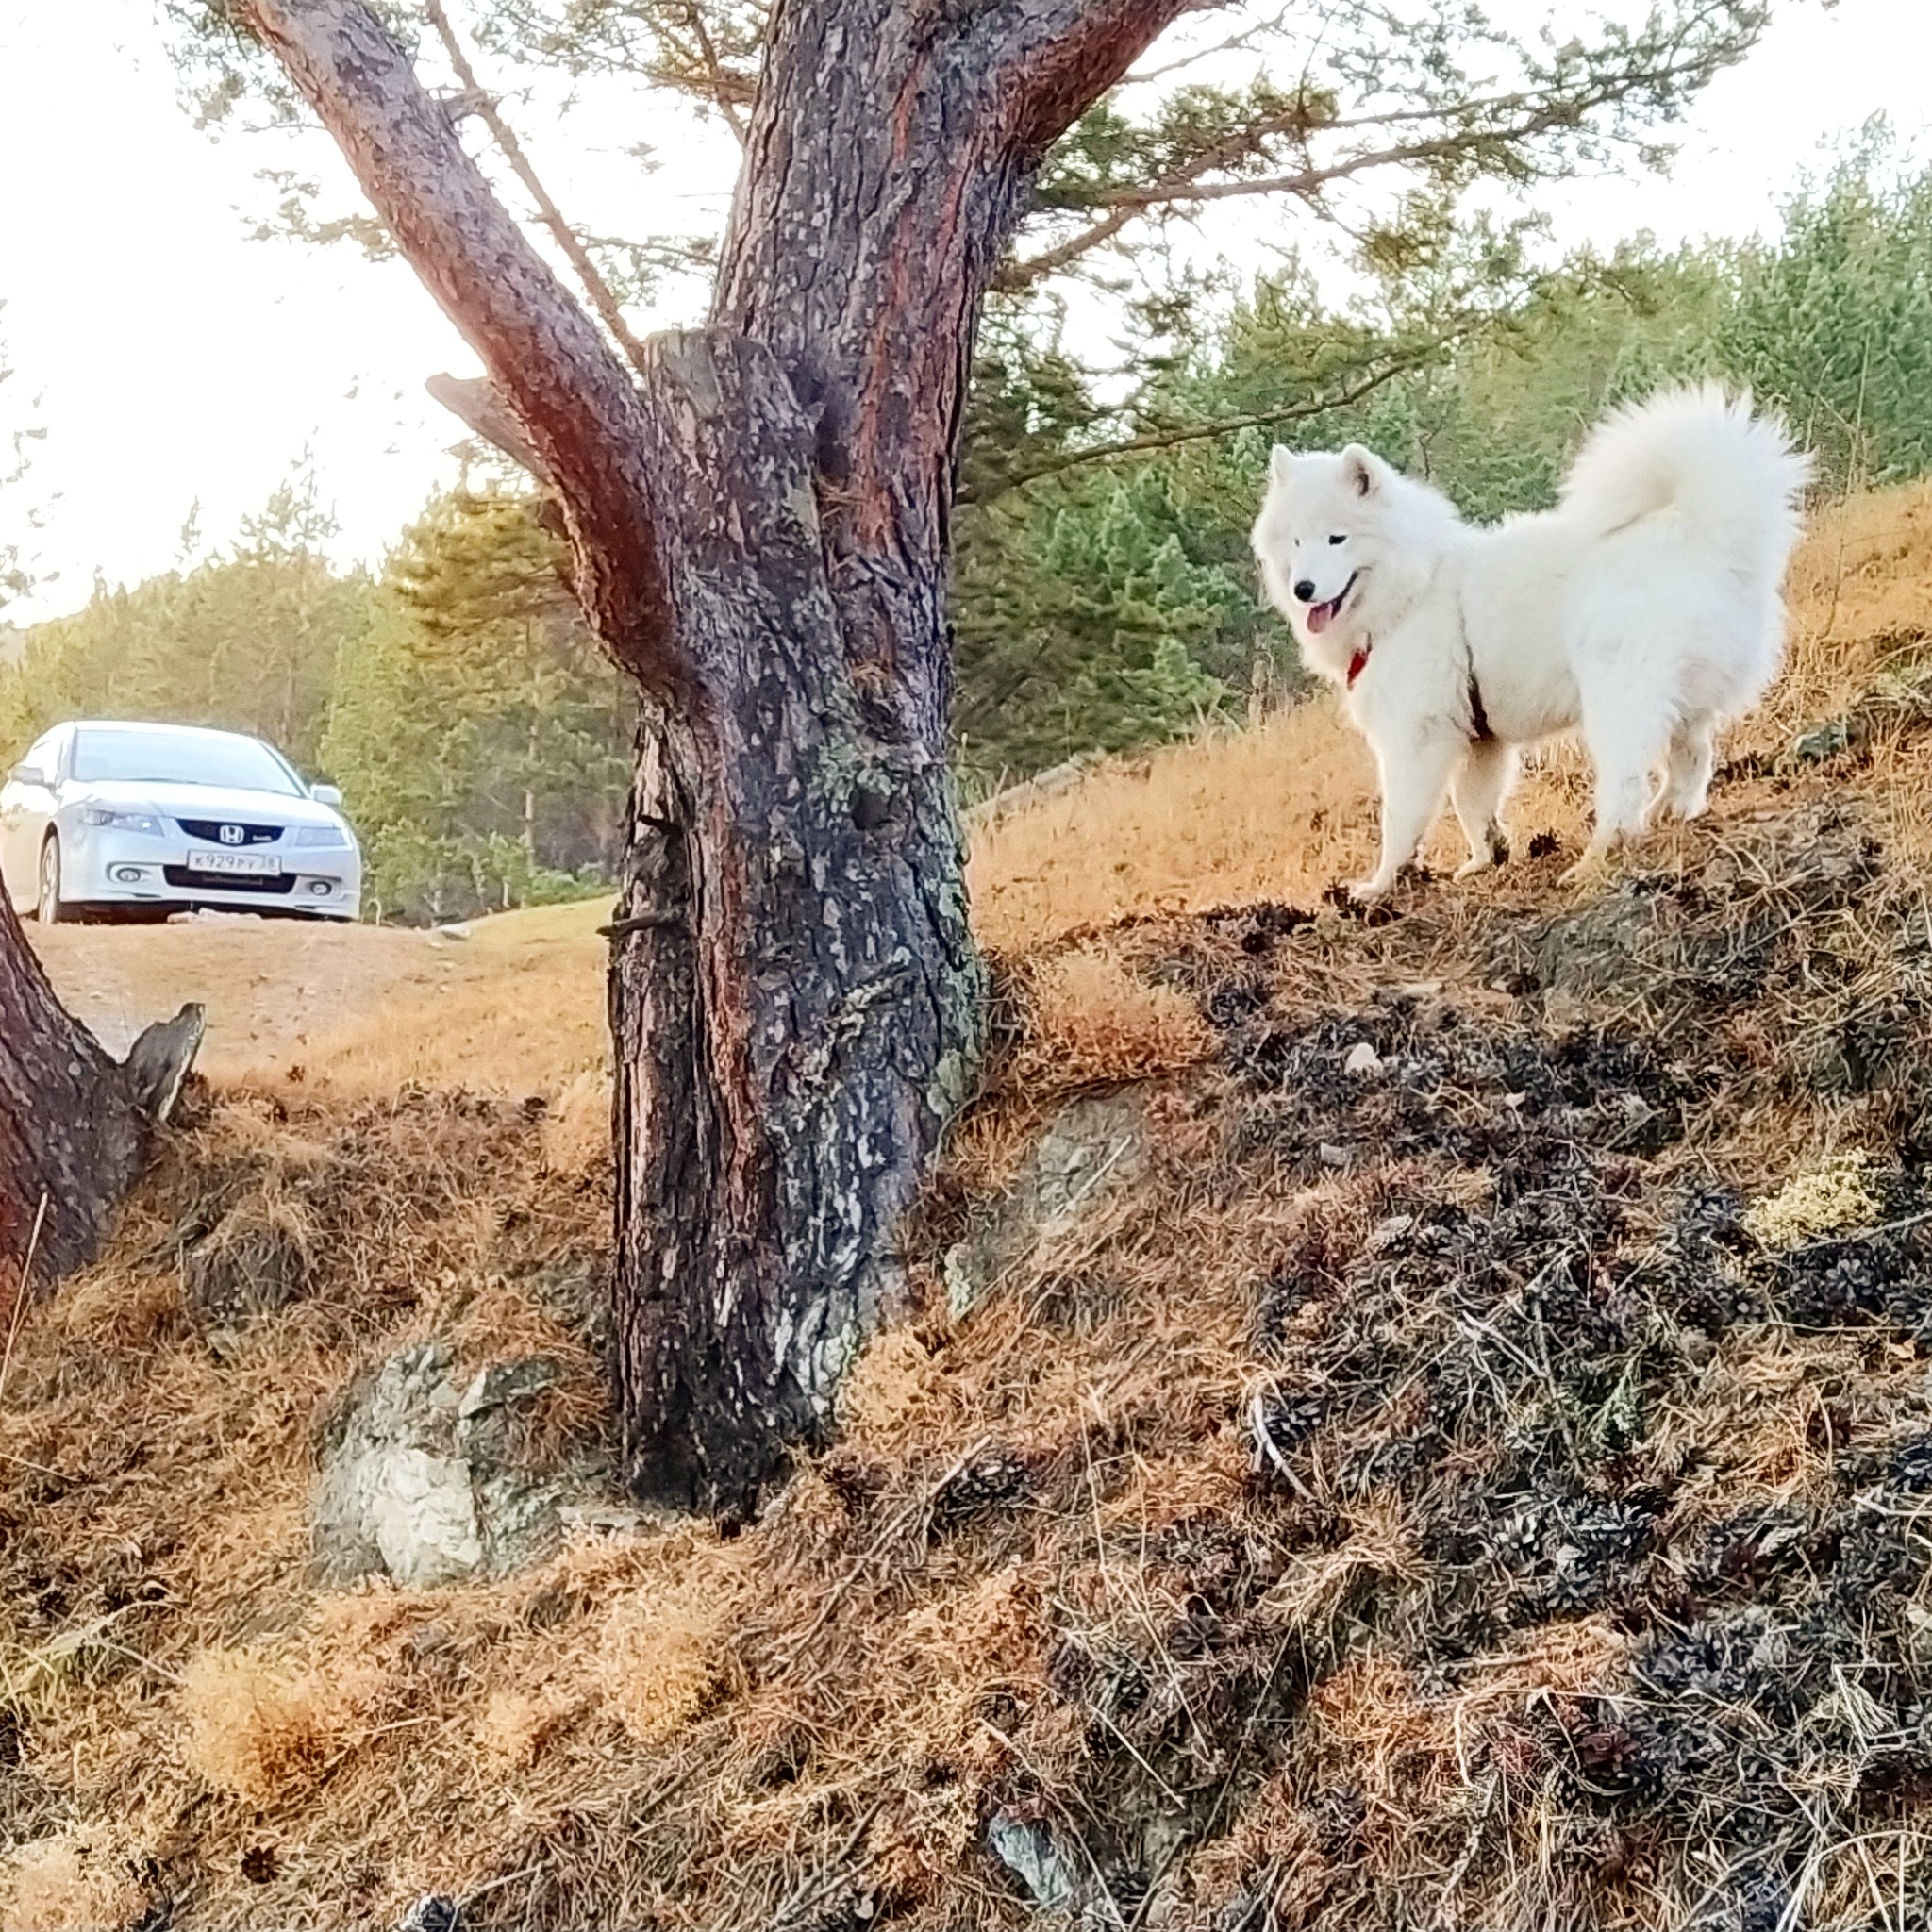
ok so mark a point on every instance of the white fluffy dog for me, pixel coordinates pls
(1644, 610)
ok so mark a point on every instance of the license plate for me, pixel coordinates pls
(254, 865)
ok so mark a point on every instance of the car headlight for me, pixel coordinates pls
(319, 835)
(121, 821)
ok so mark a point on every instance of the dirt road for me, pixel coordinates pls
(504, 1001)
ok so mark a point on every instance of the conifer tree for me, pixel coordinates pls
(244, 642)
(481, 736)
(759, 518)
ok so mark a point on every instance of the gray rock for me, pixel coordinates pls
(418, 1482)
(1822, 742)
(432, 1912)
(1027, 1848)
(500, 1387)
(1089, 1148)
(1658, 939)
(421, 1516)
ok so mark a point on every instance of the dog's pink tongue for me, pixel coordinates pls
(1320, 617)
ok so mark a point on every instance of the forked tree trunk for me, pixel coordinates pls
(760, 531)
(71, 1132)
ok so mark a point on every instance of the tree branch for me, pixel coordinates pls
(1496, 123)
(1183, 185)
(723, 95)
(1241, 42)
(1175, 435)
(705, 50)
(475, 404)
(1015, 278)
(484, 103)
(1061, 56)
(562, 382)
(1536, 115)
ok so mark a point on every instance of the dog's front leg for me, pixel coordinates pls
(1478, 791)
(1414, 773)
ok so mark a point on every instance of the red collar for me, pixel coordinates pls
(1359, 661)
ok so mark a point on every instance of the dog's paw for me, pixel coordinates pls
(1367, 891)
(1487, 861)
(1592, 869)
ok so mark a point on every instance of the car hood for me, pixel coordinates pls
(202, 802)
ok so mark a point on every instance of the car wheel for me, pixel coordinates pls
(51, 911)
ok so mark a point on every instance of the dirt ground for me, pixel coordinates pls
(339, 1002)
(269, 985)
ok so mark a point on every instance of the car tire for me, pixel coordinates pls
(49, 908)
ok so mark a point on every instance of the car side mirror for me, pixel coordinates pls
(327, 795)
(27, 775)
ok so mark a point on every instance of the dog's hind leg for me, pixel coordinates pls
(1481, 783)
(1413, 778)
(1627, 740)
(1687, 773)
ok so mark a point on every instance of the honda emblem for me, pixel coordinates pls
(232, 835)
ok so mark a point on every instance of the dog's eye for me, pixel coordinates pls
(1338, 540)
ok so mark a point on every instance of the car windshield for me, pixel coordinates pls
(181, 758)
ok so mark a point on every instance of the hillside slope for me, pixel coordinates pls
(1410, 1422)
(1281, 813)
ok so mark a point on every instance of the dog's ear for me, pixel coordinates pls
(1362, 469)
(1281, 462)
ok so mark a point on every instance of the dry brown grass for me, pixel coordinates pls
(517, 1007)
(1090, 1020)
(158, 1633)
(661, 1659)
(1274, 813)
(361, 1748)
(1042, 1575)
(516, 1723)
(265, 1734)
(75, 1881)
(577, 1130)
(896, 1385)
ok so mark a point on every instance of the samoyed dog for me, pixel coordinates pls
(1643, 611)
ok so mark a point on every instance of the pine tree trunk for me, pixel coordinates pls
(796, 1017)
(795, 1002)
(71, 1133)
(761, 536)
(795, 994)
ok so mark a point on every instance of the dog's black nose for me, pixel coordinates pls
(1305, 590)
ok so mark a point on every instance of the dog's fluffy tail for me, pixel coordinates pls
(1731, 479)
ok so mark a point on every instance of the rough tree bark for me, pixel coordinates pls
(760, 525)
(68, 1135)
(72, 1122)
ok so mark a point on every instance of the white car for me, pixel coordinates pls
(99, 816)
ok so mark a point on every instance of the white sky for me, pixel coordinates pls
(177, 359)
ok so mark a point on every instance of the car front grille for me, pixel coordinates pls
(210, 832)
(187, 877)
